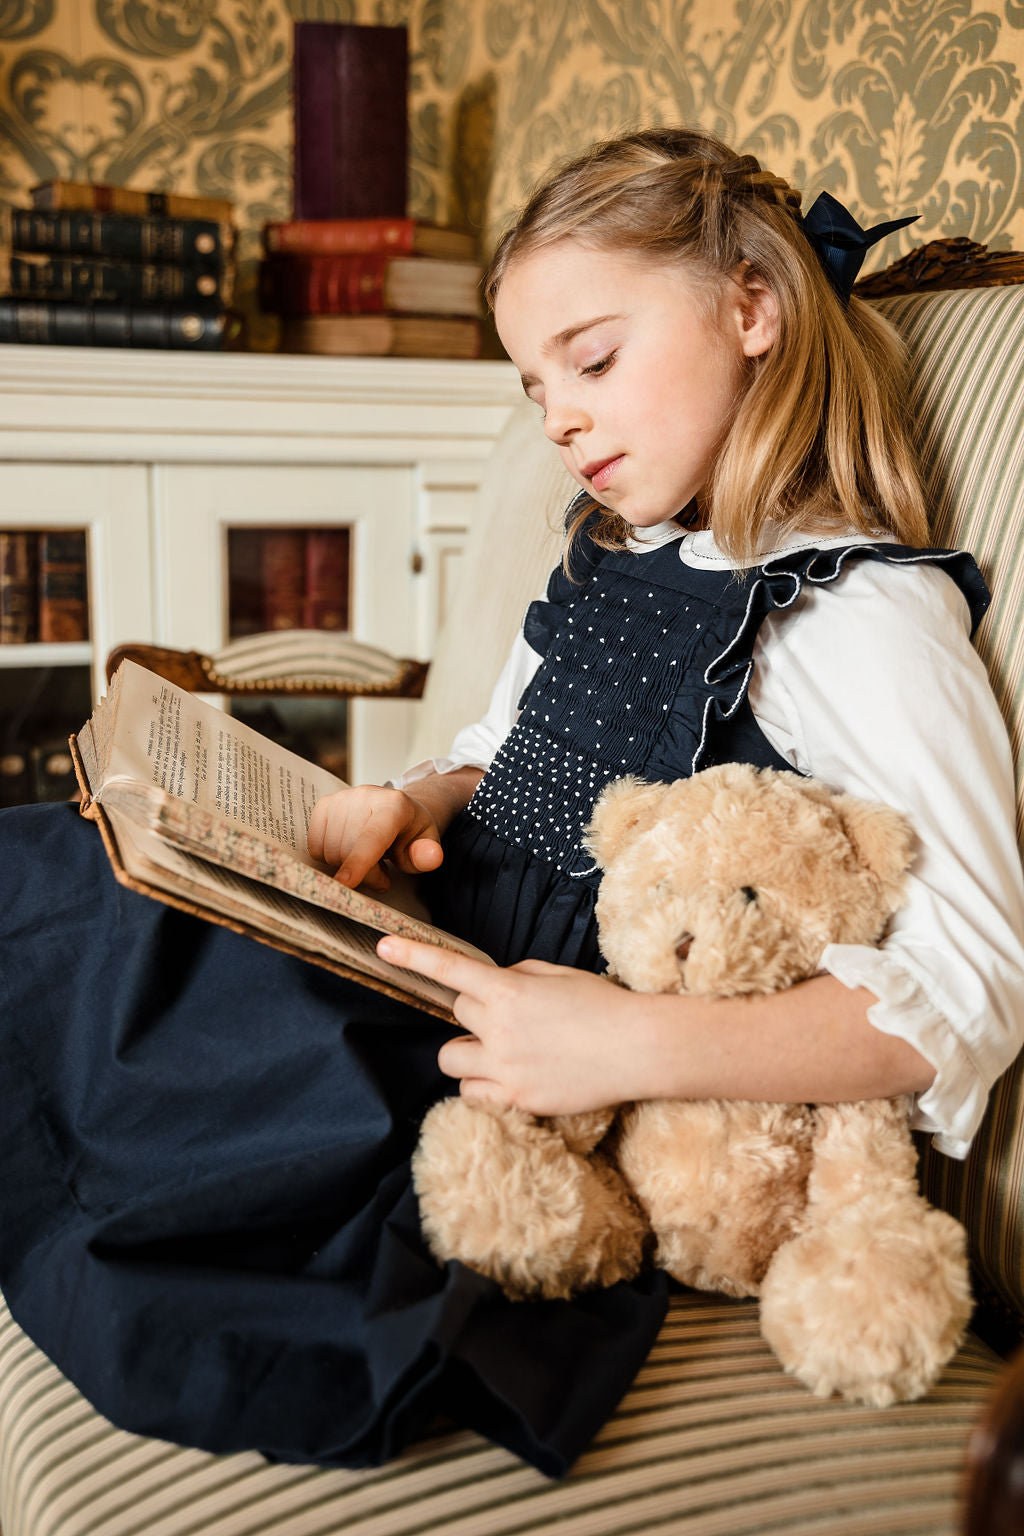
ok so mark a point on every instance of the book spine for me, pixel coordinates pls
(18, 587)
(325, 285)
(184, 242)
(29, 321)
(351, 121)
(85, 279)
(329, 237)
(313, 86)
(327, 579)
(284, 578)
(63, 588)
(106, 199)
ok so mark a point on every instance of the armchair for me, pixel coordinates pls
(712, 1439)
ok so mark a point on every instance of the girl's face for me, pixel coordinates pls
(637, 373)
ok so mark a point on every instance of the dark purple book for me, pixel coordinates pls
(351, 115)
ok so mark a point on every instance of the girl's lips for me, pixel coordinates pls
(600, 474)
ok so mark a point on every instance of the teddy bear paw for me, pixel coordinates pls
(502, 1193)
(872, 1314)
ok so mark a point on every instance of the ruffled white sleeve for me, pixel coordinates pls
(875, 688)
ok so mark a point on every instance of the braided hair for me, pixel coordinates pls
(819, 442)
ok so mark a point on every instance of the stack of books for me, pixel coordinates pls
(92, 265)
(378, 287)
(287, 578)
(44, 592)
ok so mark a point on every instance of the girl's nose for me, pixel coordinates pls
(563, 418)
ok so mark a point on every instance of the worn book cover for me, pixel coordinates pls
(200, 811)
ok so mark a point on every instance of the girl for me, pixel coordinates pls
(207, 1218)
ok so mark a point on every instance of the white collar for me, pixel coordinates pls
(699, 549)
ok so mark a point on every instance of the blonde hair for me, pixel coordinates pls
(820, 441)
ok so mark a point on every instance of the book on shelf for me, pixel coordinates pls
(397, 237)
(108, 199)
(67, 324)
(63, 588)
(350, 120)
(51, 771)
(201, 812)
(123, 237)
(288, 578)
(383, 336)
(357, 284)
(19, 600)
(44, 591)
(96, 279)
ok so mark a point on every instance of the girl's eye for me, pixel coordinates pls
(601, 366)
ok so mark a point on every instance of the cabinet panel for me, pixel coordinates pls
(110, 503)
(195, 506)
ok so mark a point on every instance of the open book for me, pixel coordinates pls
(204, 813)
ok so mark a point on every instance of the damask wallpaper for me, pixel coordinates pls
(894, 105)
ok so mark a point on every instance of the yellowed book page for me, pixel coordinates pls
(232, 894)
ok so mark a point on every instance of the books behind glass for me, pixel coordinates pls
(202, 812)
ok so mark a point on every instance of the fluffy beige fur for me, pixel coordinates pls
(730, 882)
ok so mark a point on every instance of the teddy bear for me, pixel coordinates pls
(728, 883)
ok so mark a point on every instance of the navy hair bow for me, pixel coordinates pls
(840, 243)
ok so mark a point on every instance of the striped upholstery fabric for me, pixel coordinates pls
(967, 398)
(711, 1440)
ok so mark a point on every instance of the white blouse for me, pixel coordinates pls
(881, 694)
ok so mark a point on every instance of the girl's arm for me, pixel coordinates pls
(553, 1040)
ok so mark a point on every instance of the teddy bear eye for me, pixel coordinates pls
(749, 892)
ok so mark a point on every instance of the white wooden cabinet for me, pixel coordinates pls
(156, 455)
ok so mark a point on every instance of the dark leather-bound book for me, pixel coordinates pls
(18, 586)
(350, 97)
(93, 278)
(63, 587)
(125, 237)
(356, 284)
(39, 321)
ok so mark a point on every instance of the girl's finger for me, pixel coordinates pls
(460, 1057)
(452, 970)
(366, 852)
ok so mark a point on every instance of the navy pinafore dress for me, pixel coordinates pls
(206, 1217)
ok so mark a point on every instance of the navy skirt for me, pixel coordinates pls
(206, 1216)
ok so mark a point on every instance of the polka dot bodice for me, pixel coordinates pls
(645, 670)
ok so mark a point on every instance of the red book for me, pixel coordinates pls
(327, 578)
(284, 578)
(350, 94)
(365, 285)
(392, 237)
(63, 588)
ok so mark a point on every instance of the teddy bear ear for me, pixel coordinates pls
(881, 837)
(626, 807)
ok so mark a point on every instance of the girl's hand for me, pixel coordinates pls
(355, 828)
(546, 1038)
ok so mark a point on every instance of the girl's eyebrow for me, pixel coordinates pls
(562, 339)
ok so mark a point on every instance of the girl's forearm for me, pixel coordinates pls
(811, 1043)
(446, 794)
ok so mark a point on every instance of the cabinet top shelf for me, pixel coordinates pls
(113, 404)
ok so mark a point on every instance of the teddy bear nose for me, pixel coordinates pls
(683, 945)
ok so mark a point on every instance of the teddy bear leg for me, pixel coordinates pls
(723, 1183)
(504, 1194)
(872, 1298)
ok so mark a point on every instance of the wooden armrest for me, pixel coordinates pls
(199, 673)
(953, 262)
(994, 1495)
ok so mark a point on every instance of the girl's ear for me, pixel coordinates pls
(757, 311)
